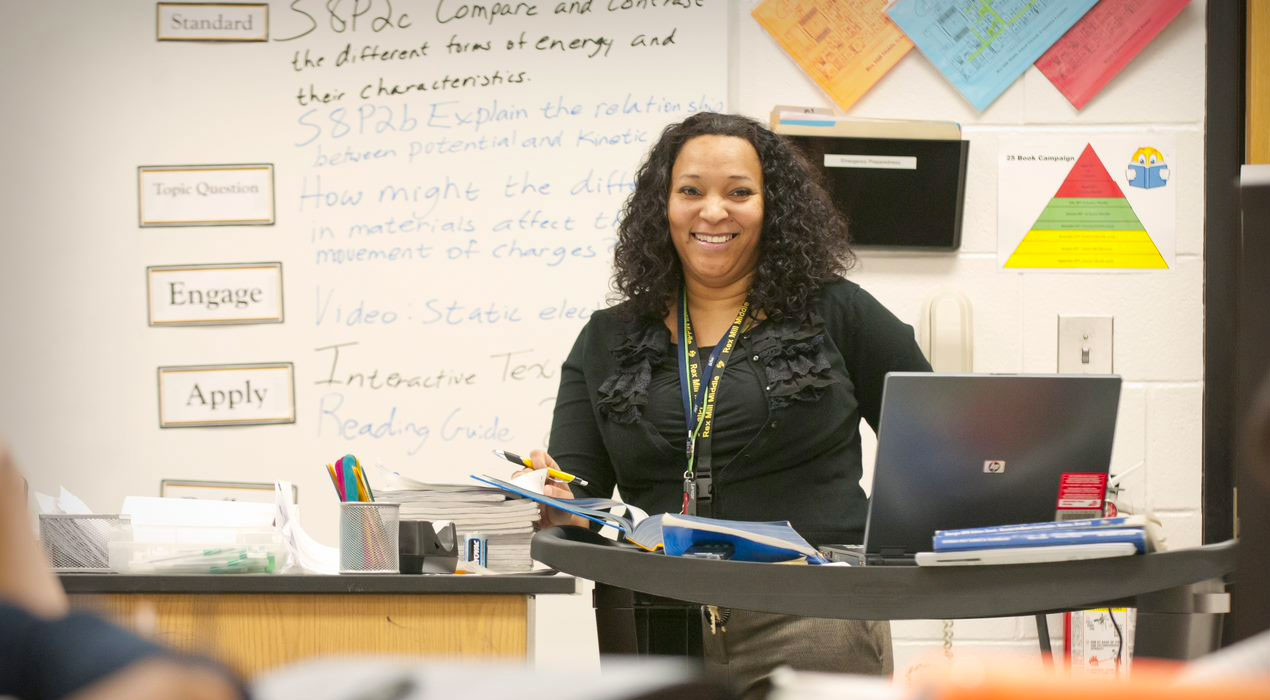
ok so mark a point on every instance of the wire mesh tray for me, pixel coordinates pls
(79, 543)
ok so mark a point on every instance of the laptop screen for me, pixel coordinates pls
(974, 450)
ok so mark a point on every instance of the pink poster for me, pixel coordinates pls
(1102, 43)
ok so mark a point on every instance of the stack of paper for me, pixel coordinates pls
(508, 524)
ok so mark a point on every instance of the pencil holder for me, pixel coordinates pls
(368, 537)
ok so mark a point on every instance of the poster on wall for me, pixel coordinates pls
(1087, 201)
(983, 46)
(845, 47)
(1102, 43)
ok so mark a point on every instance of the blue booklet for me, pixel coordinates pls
(736, 540)
(1051, 525)
(1136, 536)
(982, 49)
(684, 535)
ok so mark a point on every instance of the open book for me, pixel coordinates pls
(645, 535)
(736, 540)
(683, 535)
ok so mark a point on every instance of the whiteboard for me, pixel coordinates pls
(447, 182)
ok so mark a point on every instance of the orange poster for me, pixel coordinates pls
(845, 47)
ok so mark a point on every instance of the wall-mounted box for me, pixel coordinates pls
(894, 192)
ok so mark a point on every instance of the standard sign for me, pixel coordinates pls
(207, 395)
(208, 295)
(205, 195)
(211, 21)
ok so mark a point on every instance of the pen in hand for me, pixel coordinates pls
(553, 473)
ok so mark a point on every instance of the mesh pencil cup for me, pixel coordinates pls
(368, 537)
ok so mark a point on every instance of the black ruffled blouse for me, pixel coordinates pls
(787, 441)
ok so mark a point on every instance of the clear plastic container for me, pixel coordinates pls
(181, 550)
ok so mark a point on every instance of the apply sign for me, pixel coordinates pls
(218, 395)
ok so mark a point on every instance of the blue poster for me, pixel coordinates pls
(983, 46)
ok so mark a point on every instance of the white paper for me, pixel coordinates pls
(189, 512)
(188, 521)
(71, 504)
(306, 553)
(534, 480)
(870, 162)
(46, 504)
(389, 480)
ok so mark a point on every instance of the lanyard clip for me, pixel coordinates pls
(690, 495)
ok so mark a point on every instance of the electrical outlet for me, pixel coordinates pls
(1085, 344)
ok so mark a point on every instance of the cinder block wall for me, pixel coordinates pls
(1159, 316)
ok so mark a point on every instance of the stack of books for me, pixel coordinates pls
(1047, 541)
(506, 523)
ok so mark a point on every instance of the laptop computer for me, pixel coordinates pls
(975, 450)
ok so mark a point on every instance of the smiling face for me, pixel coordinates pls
(716, 209)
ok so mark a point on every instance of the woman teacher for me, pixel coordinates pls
(728, 266)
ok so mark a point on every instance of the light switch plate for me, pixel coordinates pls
(1085, 344)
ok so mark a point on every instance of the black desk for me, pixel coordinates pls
(1179, 595)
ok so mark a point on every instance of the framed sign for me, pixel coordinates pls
(209, 295)
(225, 395)
(205, 195)
(249, 491)
(212, 21)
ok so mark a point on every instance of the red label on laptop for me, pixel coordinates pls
(1081, 496)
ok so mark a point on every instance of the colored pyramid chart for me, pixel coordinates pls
(1088, 224)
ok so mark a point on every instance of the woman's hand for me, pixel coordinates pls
(552, 517)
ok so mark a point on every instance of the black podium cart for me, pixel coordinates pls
(1180, 595)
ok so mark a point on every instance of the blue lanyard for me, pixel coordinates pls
(699, 388)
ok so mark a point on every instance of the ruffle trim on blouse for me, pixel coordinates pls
(793, 355)
(624, 393)
(792, 351)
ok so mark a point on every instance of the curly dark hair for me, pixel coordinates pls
(804, 242)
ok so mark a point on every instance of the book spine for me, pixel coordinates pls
(1136, 536)
(1083, 524)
